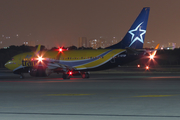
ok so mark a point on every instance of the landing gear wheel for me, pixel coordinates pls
(87, 75)
(65, 76)
(83, 75)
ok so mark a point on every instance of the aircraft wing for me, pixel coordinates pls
(153, 52)
(46, 63)
(55, 65)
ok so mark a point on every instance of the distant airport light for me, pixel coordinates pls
(147, 67)
(138, 65)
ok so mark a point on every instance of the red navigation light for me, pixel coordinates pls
(60, 49)
(70, 72)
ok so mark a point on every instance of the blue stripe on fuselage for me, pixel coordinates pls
(82, 62)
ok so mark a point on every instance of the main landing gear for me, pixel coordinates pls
(67, 75)
(85, 75)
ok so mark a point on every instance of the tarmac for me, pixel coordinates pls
(127, 94)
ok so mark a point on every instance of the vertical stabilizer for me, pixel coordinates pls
(134, 38)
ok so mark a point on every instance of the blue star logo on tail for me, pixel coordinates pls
(137, 34)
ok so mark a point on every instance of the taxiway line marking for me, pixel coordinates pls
(155, 95)
(67, 94)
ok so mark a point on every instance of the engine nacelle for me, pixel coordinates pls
(39, 72)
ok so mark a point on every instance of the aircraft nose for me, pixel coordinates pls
(7, 65)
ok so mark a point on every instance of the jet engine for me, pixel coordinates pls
(39, 72)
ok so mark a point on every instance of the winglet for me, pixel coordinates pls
(154, 53)
(157, 46)
(38, 49)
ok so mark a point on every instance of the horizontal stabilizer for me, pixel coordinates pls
(131, 51)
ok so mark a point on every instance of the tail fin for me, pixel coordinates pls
(134, 38)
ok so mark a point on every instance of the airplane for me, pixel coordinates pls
(80, 62)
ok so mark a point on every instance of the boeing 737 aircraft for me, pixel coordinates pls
(80, 62)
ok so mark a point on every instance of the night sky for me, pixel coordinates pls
(62, 22)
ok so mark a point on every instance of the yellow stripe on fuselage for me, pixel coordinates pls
(99, 61)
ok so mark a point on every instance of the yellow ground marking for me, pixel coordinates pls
(155, 96)
(67, 94)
